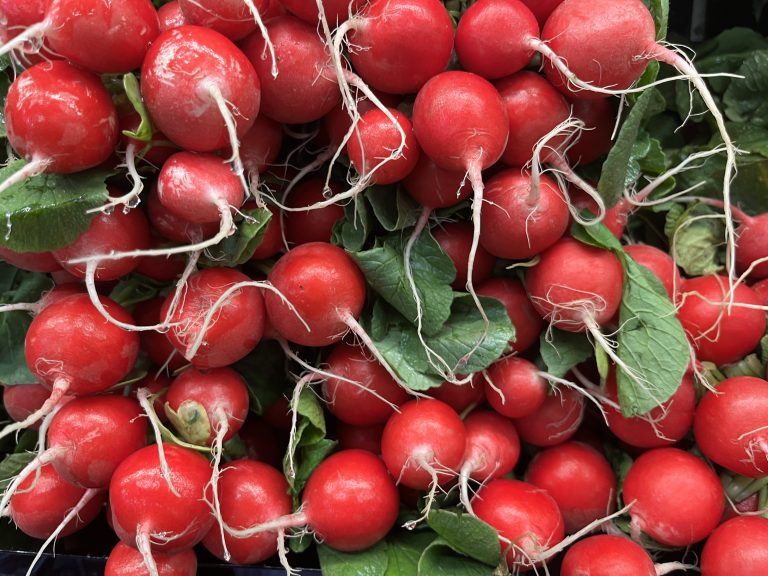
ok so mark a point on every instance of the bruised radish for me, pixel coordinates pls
(127, 561)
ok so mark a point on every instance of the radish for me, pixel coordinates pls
(722, 325)
(156, 345)
(607, 555)
(272, 241)
(751, 254)
(658, 262)
(737, 410)
(736, 547)
(310, 225)
(542, 8)
(24, 399)
(127, 561)
(514, 387)
(510, 292)
(260, 146)
(492, 450)
(359, 437)
(170, 16)
(555, 421)
(102, 37)
(235, 19)
(596, 138)
(460, 397)
(579, 479)
(334, 11)
(455, 239)
(43, 105)
(433, 187)
(677, 498)
(31, 261)
(173, 227)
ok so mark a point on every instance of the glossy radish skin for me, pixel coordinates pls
(44, 105)
(455, 239)
(324, 285)
(400, 44)
(574, 284)
(336, 11)
(42, 501)
(555, 421)
(305, 88)
(491, 37)
(579, 478)
(350, 500)
(718, 335)
(679, 498)
(234, 330)
(92, 435)
(22, 400)
(424, 434)
(522, 513)
(94, 356)
(142, 502)
(127, 561)
(751, 246)
(170, 16)
(738, 411)
(180, 70)
(736, 547)
(32, 261)
(514, 387)
(173, 227)
(199, 403)
(232, 18)
(510, 292)
(434, 187)
(658, 262)
(519, 222)
(311, 225)
(607, 555)
(251, 493)
(493, 447)
(354, 404)
(260, 146)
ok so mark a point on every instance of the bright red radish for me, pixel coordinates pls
(219, 320)
(738, 412)
(678, 498)
(607, 555)
(251, 493)
(526, 517)
(460, 396)
(658, 262)
(335, 11)
(232, 18)
(127, 561)
(580, 480)
(170, 16)
(514, 387)
(555, 421)
(455, 239)
(736, 547)
(326, 288)
(510, 292)
(434, 187)
(719, 334)
(172, 227)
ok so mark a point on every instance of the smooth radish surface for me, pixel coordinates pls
(718, 334)
(595, 140)
(460, 396)
(658, 262)
(424, 443)
(314, 225)
(324, 285)
(232, 18)
(336, 11)
(170, 16)
(736, 547)
(22, 400)
(493, 447)
(43, 105)
(579, 478)
(678, 497)
(527, 322)
(173, 227)
(514, 388)
(751, 246)
(223, 335)
(185, 72)
(146, 513)
(357, 405)
(251, 493)
(127, 561)
(434, 187)
(32, 261)
(520, 221)
(522, 514)
(555, 421)
(455, 239)
(731, 425)
(305, 88)
(607, 555)
(360, 437)
(574, 285)
(260, 146)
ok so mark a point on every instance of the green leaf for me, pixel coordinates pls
(695, 238)
(746, 99)
(764, 349)
(563, 350)
(439, 560)
(11, 465)
(264, 372)
(309, 446)
(308, 458)
(133, 92)
(238, 248)
(352, 232)
(393, 208)
(404, 551)
(651, 342)
(432, 269)
(596, 235)
(660, 11)
(49, 211)
(467, 535)
(370, 562)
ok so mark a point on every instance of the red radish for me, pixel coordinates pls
(580, 480)
(335, 11)
(127, 561)
(43, 105)
(434, 187)
(595, 139)
(663, 426)
(174, 228)
(156, 344)
(219, 320)
(761, 289)
(251, 493)
(263, 442)
(615, 218)
(326, 288)
(272, 242)
(102, 37)
(514, 387)
(607, 555)
(460, 397)
(526, 517)
(455, 239)
(555, 421)
(658, 262)
(311, 225)
(147, 514)
(738, 410)
(359, 437)
(721, 329)
(235, 19)
(510, 292)
(750, 248)
(350, 501)
(260, 146)
(370, 402)
(170, 16)
(520, 219)
(157, 385)
(337, 123)
(736, 547)
(542, 8)
(162, 269)
(32, 261)
(678, 499)
(24, 399)
(306, 89)
(492, 450)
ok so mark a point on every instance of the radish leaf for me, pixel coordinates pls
(370, 562)
(563, 350)
(467, 535)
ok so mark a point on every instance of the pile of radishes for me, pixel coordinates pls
(395, 281)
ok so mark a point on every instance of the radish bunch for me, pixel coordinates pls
(405, 284)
